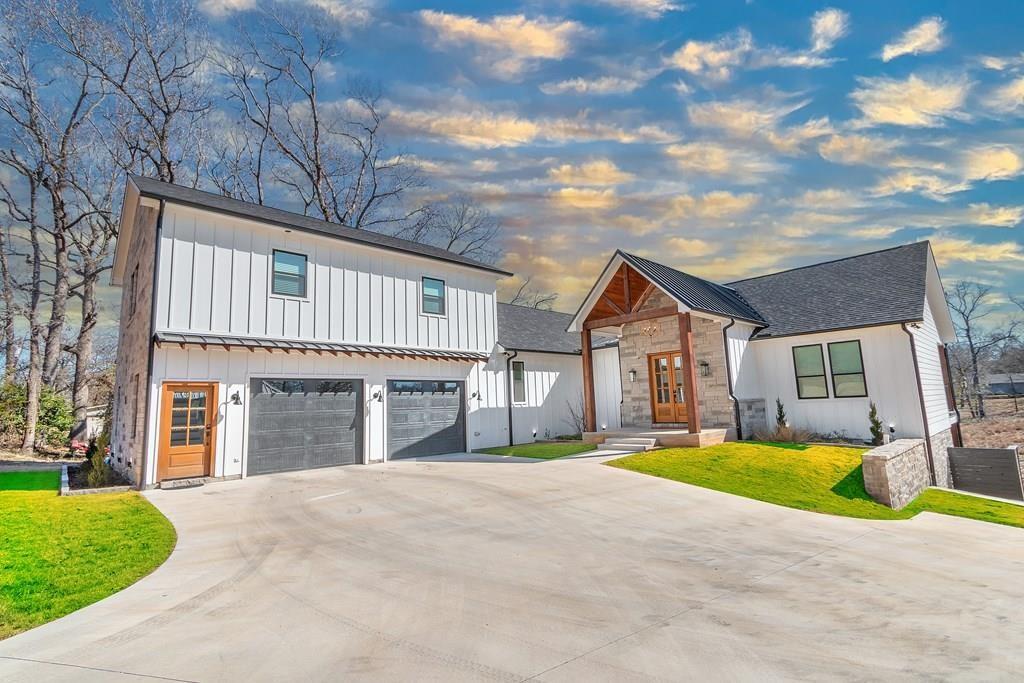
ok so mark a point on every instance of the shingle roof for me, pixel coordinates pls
(157, 189)
(879, 288)
(697, 293)
(521, 328)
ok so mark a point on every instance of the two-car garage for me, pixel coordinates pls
(303, 423)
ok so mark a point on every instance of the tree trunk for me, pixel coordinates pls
(83, 356)
(976, 383)
(58, 309)
(35, 365)
(10, 349)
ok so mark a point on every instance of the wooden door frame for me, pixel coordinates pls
(652, 387)
(163, 430)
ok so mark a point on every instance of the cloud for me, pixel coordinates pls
(346, 12)
(714, 60)
(931, 186)
(222, 8)
(916, 101)
(995, 216)
(584, 198)
(506, 45)
(602, 85)
(689, 247)
(1009, 97)
(708, 158)
(1001, 63)
(926, 36)
(712, 205)
(827, 27)
(992, 162)
(596, 172)
(748, 119)
(856, 149)
(651, 9)
(950, 249)
(828, 198)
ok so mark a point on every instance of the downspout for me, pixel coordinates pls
(924, 410)
(152, 344)
(508, 392)
(952, 394)
(728, 377)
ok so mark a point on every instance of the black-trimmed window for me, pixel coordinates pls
(847, 365)
(289, 274)
(432, 296)
(133, 292)
(809, 366)
(518, 381)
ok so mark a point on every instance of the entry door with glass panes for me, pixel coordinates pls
(187, 422)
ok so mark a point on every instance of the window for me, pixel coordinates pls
(289, 276)
(809, 364)
(518, 381)
(433, 296)
(847, 365)
(133, 291)
(135, 404)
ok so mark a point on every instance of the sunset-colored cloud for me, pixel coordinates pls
(718, 160)
(601, 85)
(995, 216)
(932, 186)
(856, 149)
(1009, 97)
(715, 59)
(926, 36)
(584, 198)
(992, 162)
(595, 172)
(712, 205)
(915, 101)
(652, 9)
(686, 246)
(951, 249)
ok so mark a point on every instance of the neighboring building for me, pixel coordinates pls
(1004, 384)
(255, 340)
(826, 340)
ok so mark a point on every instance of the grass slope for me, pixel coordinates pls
(826, 479)
(542, 451)
(59, 554)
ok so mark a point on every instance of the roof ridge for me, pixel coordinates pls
(533, 308)
(835, 260)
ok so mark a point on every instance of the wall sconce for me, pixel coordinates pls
(535, 433)
(236, 400)
(378, 397)
(477, 396)
(705, 368)
(632, 375)
(604, 427)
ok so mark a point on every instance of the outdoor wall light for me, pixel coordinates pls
(604, 427)
(705, 368)
(477, 396)
(236, 400)
(379, 397)
(535, 433)
(632, 375)
(892, 428)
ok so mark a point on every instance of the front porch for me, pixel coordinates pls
(661, 437)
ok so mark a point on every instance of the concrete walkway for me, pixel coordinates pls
(479, 568)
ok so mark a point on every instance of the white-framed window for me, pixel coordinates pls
(809, 367)
(432, 298)
(518, 381)
(846, 362)
(288, 274)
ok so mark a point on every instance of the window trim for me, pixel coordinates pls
(444, 297)
(797, 377)
(305, 274)
(863, 372)
(135, 407)
(512, 378)
(133, 292)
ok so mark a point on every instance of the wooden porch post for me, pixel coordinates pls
(589, 409)
(689, 373)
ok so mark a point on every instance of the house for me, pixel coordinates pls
(255, 340)
(1003, 384)
(826, 340)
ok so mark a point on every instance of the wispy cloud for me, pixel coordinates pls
(951, 249)
(601, 85)
(595, 172)
(709, 158)
(915, 101)
(652, 9)
(1008, 98)
(995, 216)
(926, 36)
(856, 149)
(584, 198)
(348, 13)
(747, 119)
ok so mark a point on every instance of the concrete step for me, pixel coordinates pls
(192, 482)
(639, 440)
(622, 446)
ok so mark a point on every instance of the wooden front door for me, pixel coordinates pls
(187, 429)
(668, 402)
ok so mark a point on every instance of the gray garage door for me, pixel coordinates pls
(425, 418)
(299, 424)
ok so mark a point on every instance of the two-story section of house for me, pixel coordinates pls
(255, 340)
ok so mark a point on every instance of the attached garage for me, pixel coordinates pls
(425, 418)
(301, 424)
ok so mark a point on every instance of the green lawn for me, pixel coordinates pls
(541, 451)
(58, 554)
(825, 479)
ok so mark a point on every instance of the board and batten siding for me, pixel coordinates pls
(737, 341)
(926, 344)
(215, 278)
(888, 371)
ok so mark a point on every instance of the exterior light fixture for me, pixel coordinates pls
(378, 397)
(236, 400)
(705, 368)
(477, 396)
(632, 375)
(604, 427)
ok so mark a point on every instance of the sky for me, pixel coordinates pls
(727, 138)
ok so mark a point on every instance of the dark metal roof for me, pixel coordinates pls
(522, 328)
(880, 288)
(156, 189)
(696, 293)
(253, 343)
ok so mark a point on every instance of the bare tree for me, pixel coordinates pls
(7, 318)
(971, 304)
(458, 225)
(532, 297)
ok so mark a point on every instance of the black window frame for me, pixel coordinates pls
(521, 381)
(443, 298)
(797, 376)
(304, 276)
(833, 374)
(133, 292)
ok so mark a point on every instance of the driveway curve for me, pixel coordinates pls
(479, 568)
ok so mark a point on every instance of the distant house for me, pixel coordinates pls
(1004, 384)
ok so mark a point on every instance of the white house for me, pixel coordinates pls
(254, 340)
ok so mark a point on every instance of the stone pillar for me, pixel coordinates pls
(894, 474)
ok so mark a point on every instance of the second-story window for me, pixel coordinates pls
(433, 296)
(289, 276)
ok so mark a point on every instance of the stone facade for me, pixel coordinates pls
(753, 417)
(131, 388)
(896, 473)
(941, 443)
(661, 335)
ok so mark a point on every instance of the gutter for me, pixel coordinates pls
(924, 411)
(152, 346)
(508, 392)
(952, 393)
(728, 378)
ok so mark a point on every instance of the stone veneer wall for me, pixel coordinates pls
(894, 474)
(941, 443)
(128, 432)
(753, 417)
(708, 345)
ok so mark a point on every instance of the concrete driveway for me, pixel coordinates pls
(454, 569)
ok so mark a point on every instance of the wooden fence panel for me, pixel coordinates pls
(988, 471)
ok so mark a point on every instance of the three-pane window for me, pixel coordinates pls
(518, 381)
(847, 364)
(289, 276)
(809, 363)
(433, 296)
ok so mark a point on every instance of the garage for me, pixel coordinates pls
(301, 424)
(425, 418)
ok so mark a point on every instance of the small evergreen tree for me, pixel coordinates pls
(780, 413)
(877, 429)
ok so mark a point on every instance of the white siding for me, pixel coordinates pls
(553, 381)
(742, 368)
(888, 369)
(215, 278)
(926, 341)
(608, 388)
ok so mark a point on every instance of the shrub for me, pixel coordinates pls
(780, 413)
(55, 416)
(877, 430)
(12, 413)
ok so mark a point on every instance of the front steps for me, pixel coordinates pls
(635, 444)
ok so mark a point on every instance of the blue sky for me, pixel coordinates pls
(725, 138)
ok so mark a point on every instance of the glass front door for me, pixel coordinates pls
(667, 396)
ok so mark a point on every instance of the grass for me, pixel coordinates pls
(59, 554)
(826, 479)
(541, 451)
